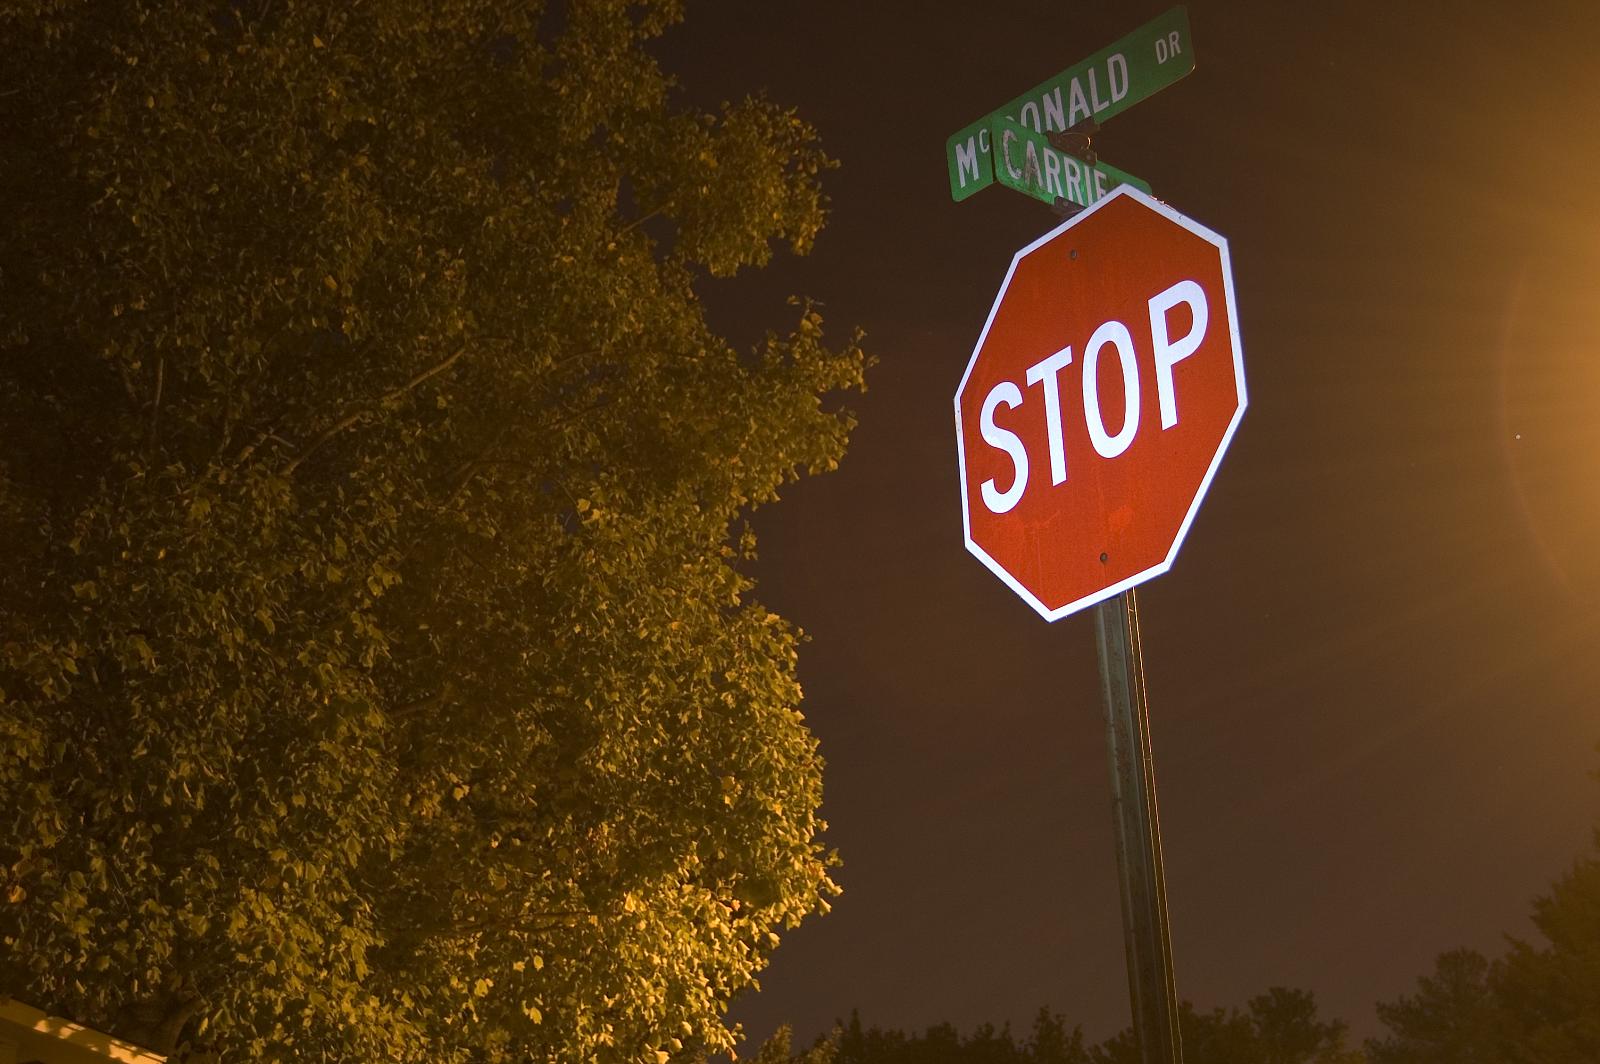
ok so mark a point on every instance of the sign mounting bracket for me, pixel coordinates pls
(1077, 141)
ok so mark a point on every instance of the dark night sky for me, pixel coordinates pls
(1372, 670)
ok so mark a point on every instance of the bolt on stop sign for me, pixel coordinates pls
(1098, 402)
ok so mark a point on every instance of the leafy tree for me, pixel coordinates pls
(1288, 1030)
(1450, 1020)
(1051, 1042)
(1549, 996)
(777, 1050)
(379, 677)
(1536, 1004)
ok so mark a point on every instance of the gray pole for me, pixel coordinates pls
(1133, 808)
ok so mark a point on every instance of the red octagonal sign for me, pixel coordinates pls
(1098, 402)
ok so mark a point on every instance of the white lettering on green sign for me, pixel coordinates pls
(1025, 161)
(1139, 65)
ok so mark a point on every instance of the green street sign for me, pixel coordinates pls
(1104, 85)
(1025, 161)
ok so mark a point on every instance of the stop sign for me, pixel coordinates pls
(1097, 404)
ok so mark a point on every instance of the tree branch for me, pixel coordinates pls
(155, 405)
(446, 691)
(424, 375)
(350, 419)
(643, 218)
(555, 919)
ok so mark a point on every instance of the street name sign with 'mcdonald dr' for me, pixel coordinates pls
(1100, 87)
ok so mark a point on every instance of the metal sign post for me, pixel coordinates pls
(1146, 940)
(1065, 513)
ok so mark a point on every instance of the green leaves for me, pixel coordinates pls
(736, 181)
(379, 673)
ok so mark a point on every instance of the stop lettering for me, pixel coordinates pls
(1098, 402)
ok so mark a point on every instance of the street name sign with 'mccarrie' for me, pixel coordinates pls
(1107, 83)
(1026, 161)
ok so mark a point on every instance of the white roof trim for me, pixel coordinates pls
(87, 1039)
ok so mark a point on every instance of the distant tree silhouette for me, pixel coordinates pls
(1539, 1003)
(1280, 1026)
(1550, 997)
(1288, 1030)
(1535, 1005)
(1051, 1042)
(776, 1050)
(1450, 1020)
